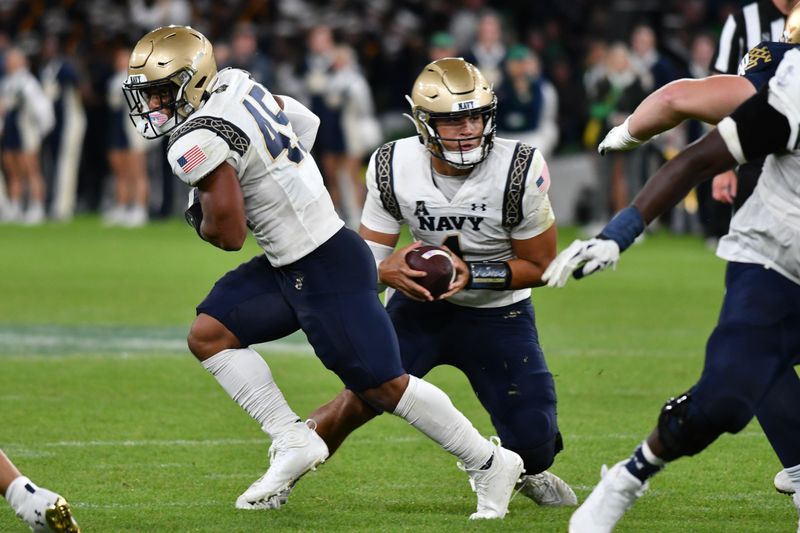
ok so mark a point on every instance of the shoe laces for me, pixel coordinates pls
(479, 487)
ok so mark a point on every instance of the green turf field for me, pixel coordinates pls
(102, 402)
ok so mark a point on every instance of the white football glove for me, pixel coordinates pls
(580, 259)
(619, 139)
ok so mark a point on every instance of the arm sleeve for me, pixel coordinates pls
(196, 154)
(304, 123)
(375, 216)
(536, 209)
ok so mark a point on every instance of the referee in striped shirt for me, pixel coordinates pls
(758, 21)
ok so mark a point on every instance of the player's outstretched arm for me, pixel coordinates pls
(708, 99)
(699, 162)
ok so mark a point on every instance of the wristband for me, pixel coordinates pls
(624, 227)
(489, 275)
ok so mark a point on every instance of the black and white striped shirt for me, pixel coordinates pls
(743, 29)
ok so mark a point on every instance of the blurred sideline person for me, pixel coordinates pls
(126, 154)
(62, 147)
(755, 346)
(616, 92)
(762, 20)
(528, 108)
(488, 51)
(41, 509)
(485, 198)
(27, 117)
(710, 99)
(245, 152)
(349, 91)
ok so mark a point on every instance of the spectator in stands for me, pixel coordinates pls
(527, 102)
(27, 118)
(442, 45)
(616, 95)
(244, 54)
(488, 52)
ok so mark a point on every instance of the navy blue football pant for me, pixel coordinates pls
(498, 351)
(330, 294)
(750, 358)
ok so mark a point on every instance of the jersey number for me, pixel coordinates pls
(269, 122)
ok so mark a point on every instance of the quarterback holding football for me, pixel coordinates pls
(485, 199)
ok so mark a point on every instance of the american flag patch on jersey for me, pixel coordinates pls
(191, 158)
(543, 183)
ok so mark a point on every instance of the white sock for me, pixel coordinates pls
(650, 457)
(794, 475)
(17, 494)
(428, 409)
(246, 377)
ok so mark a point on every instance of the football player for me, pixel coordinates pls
(485, 199)
(756, 343)
(711, 99)
(41, 509)
(246, 152)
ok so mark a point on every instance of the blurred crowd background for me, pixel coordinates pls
(564, 72)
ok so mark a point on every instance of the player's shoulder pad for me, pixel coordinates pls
(195, 154)
(759, 57)
(383, 161)
(785, 86)
(527, 175)
(233, 135)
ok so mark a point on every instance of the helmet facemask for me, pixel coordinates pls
(426, 124)
(450, 89)
(170, 72)
(171, 93)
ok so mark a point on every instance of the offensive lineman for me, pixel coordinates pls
(232, 140)
(485, 198)
(756, 343)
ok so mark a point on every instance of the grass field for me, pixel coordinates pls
(102, 402)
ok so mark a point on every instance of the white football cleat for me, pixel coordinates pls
(43, 510)
(617, 491)
(783, 483)
(548, 490)
(495, 485)
(291, 455)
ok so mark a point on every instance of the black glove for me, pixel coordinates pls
(194, 213)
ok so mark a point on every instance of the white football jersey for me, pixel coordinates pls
(287, 206)
(766, 229)
(499, 200)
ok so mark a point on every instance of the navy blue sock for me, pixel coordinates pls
(640, 467)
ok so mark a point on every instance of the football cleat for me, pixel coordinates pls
(617, 491)
(548, 490)
(783, 483)
(46, 512)
(291, 455)
(59, 517)
(495, 485)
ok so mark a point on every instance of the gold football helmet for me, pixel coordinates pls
(171, 67)
(791, 30)
(451, 88)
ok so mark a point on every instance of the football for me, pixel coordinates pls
(437, 264)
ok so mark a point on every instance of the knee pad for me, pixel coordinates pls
(682, 429)
(540, 458)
